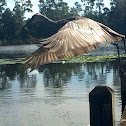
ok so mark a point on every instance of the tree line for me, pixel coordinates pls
(13, 20)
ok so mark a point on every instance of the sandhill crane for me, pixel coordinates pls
(67, 38)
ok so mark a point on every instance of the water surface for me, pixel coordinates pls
(24, 50)
(55, 94)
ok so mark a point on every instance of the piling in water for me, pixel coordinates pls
(102, 106)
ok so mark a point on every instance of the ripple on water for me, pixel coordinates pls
(54, 94)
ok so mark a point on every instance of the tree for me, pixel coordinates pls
(8, 26)
(78, 7)
(118, 16)
(54, 10)
(62, 9)
(88, 6)
(48, 8)
(2, 4)
(20, 8)
(106, 16)
(11, 23)
(73, 11)
(19, 11)
(76, 11)
(99, 5)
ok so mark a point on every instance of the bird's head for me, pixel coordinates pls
(37, 18)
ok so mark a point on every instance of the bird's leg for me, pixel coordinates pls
(119, 61)
(117, 46)
(124, 42)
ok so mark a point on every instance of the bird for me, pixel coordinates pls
(65, 38)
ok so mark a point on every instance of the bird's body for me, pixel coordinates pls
(45, 27)
(67, 38)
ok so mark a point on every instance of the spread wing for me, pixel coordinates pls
(74, 38)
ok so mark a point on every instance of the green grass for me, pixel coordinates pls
(7, 61)
(78, 59)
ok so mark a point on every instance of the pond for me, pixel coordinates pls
(23, 50)
(54, 94)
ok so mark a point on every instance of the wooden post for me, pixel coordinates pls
(102, 106)
(123, 119)
(123, 82)
(124, 41)
(123, 91)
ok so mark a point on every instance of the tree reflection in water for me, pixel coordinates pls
(57, 75)
(12, 72)
(53, 91)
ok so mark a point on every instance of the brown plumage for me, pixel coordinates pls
(76, 37)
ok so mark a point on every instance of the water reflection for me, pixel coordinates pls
(55, 92)
(10, 73)
(59, 75)
(56, 75)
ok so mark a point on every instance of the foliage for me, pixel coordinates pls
(13, 20)
(78, 59)
(2, 4)
(117, 15)
(58, 10)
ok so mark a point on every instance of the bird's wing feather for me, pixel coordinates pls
(111, 31)
(78, 33)
(74, 38)
(43, 56)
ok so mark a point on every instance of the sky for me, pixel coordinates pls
(10, 4)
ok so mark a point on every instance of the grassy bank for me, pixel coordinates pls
(81, 59)
(78, 59)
